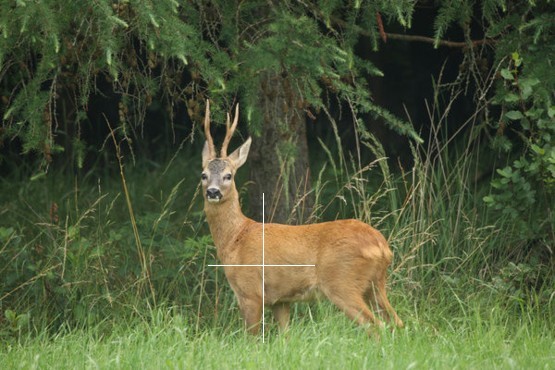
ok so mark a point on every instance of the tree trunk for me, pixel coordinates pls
(279, 157)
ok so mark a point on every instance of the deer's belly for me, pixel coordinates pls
(293, 294)
(308, 295)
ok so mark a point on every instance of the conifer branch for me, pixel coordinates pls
(446, 43)
(413, 38)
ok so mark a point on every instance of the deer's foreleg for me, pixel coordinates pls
(251, 311)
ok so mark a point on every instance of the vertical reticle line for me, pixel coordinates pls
(263, 263)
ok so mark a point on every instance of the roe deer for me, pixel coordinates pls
(350, 257)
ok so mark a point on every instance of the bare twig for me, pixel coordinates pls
(413, 38)
(446, 43)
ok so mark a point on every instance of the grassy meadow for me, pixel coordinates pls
(102, 270)
(325, 341)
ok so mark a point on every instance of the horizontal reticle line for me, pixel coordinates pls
(262, 265)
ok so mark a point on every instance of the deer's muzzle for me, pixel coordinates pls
(213, 195)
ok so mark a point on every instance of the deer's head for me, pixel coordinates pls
(218, 172)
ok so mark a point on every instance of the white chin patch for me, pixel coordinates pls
(213, 200)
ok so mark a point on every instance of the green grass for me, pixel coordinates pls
(328, 341)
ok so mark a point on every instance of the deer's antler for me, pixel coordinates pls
(211, 148)
(229, 131)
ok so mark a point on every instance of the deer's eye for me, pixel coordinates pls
(203, 177)
(227, 177)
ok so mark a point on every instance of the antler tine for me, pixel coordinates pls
(211, 148)
(230, 131)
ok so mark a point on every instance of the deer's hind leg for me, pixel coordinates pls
(281, 314)
(346, 290)
(376, 294)
(355, 308)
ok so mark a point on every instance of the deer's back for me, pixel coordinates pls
(310, 244)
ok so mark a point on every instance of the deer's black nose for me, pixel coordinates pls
(213, 194)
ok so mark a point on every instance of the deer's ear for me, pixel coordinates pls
(206, 156)
(239, 156)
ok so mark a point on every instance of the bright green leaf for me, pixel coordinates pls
(537, 149)
(488, 199)
(506, 74)
(514, 115)
(510, 97)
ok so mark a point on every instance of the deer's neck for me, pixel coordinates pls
(226, 220)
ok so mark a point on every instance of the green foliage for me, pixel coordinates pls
(519, 282)
(69, 260)
(144, 51)
(453, 11)
(53, 66)
(522, 111)
(526, 126)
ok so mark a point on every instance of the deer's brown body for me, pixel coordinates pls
(350, 258)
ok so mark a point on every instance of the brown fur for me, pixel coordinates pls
(350, 257)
